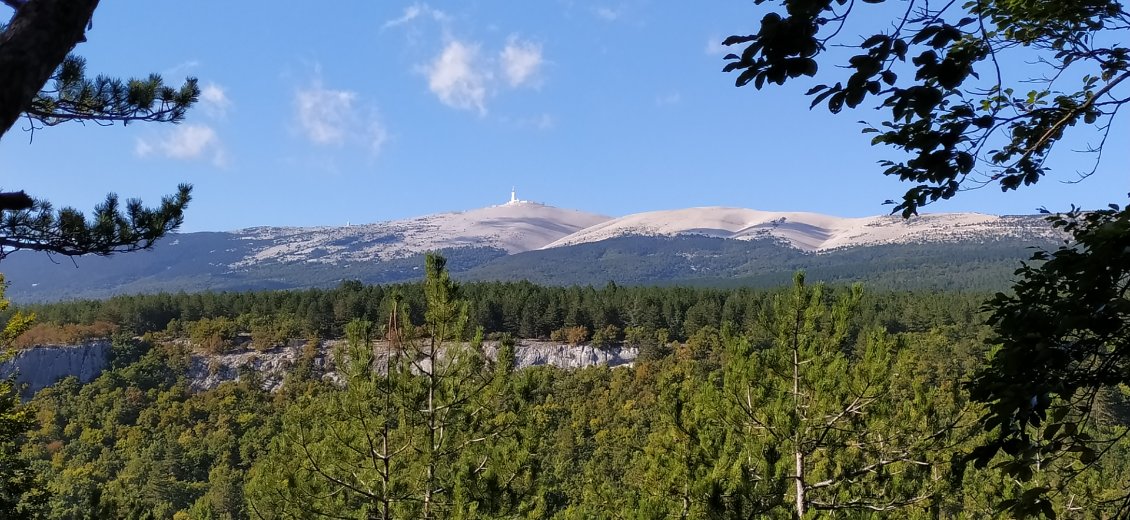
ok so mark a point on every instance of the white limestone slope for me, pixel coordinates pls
(515, 227)
(812, 231)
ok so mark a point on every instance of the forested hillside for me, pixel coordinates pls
(743, 404)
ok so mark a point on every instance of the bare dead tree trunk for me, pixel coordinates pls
(800, 488)
(37, 38)
(798, 450)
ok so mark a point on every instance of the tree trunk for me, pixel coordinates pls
(799, 413)
(38, 37)
(800, 499)
(429, 485)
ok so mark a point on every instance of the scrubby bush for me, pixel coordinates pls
(212, 335)
(69, 334)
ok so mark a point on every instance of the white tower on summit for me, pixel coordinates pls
(514, 200)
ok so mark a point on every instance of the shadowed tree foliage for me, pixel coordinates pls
(1056, 387)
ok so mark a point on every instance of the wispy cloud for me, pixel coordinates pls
(458, 77)
(607, 14)
(669, 98)
(331, 117)
(540, 122)
(185, 142)
(181, 68)
(520, 61)
(323, 113)
(415, 11)
(376, 136)
(714, 47)
(214, 100)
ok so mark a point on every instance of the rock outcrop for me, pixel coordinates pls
(39, 367)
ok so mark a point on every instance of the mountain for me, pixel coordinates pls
(813, 231)
(289, 257)
(525, 240)
(513, 227)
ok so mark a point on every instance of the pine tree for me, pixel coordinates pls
(811, 424)
(412, 432)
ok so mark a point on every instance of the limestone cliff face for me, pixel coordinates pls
(271, 367)
(43, 366)
(537, 353)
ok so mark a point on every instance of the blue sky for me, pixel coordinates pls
(349, 111)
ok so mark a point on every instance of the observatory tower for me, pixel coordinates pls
(514, 200)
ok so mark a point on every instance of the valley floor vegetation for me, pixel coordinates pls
(805, 401)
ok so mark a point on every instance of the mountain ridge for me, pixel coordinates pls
(526, 240)
(813, 232)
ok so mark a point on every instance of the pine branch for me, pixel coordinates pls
(111, 229)
(36, 41)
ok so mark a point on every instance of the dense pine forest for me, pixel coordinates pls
(807, 400)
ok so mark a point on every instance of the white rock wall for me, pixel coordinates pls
(43, 366)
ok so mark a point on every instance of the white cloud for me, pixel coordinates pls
(185, 142)
(413, 12)
(461, 78)
(458, 78)
(336, 117)
(189, 141)
(520, 61)
(214, 100)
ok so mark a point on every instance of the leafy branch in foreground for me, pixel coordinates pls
(105, 100)
(112, 229)
(940, 76)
